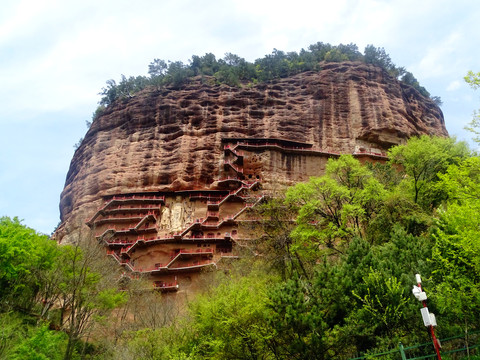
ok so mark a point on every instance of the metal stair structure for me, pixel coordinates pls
(169, 267)
(278, 145)
(372, 154)
(128, 224)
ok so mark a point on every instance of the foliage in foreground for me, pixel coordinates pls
(473, 79)
(333, 280)
(44, 285)
(337, 282)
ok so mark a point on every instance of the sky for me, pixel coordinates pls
(56, 55)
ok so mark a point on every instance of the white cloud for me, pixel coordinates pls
(454, 85)
(56, 55)
(21, 17)
(433, 64)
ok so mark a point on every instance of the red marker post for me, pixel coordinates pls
(428, 318)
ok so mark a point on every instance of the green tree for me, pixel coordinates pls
(234, 70)
(274, 65)
(228, 75)
(473, 79)
(456, 263)
(437, 100)
(365, 293)
(87, 290)
(456, 255)
(335, 207)
(409, 79)
(232, 59)
(309, 61)
(154, 344)
(350, 51)
(398, 209)
(41, 344)
(12, 332)
(461, 181)
(24, 255)
(383, 300)
(297, 321)
(209, 64)
(109, 93)
(273, 233)
(177, 74)
(230, 321)
(422, 158)
(335, 55)
(157, 68)
(378, 57)
(319, 50)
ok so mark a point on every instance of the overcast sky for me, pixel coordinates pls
(55, 56)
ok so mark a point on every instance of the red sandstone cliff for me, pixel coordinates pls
(164, 178)
(171, 139)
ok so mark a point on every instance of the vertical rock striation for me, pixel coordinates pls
(221, 140)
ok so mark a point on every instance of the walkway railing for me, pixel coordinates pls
(305, 149)
(238, 169)
(166, 286)
(426, 350)
(160, 267)
(274, 144)
(371, 153)
(232, 193)
(125, 198)
(137, 210)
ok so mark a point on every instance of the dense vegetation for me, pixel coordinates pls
(44, 286)
(473, 79)
(332, 280)
(234, 70)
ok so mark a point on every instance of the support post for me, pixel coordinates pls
(402, 351)
(421, 296)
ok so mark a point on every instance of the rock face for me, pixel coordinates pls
(170, 165)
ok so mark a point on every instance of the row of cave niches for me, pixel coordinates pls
(130, 227)
(134, 233)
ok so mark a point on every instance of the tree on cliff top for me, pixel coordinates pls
(378, 57)
(234, 70)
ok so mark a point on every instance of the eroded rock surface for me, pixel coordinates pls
(168, 141)
(171, 139)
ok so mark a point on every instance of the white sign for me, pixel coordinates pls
(418, 293)
(426, 316)
(418, 278)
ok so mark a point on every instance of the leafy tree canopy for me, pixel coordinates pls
(473, 79)
(456, 254)
(335, 206)
(23, 254)
(234, 70)
(422, 158)
(344, 248)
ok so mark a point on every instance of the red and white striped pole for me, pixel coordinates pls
(428, 318)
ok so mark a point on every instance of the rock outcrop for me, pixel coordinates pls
(184, 150)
